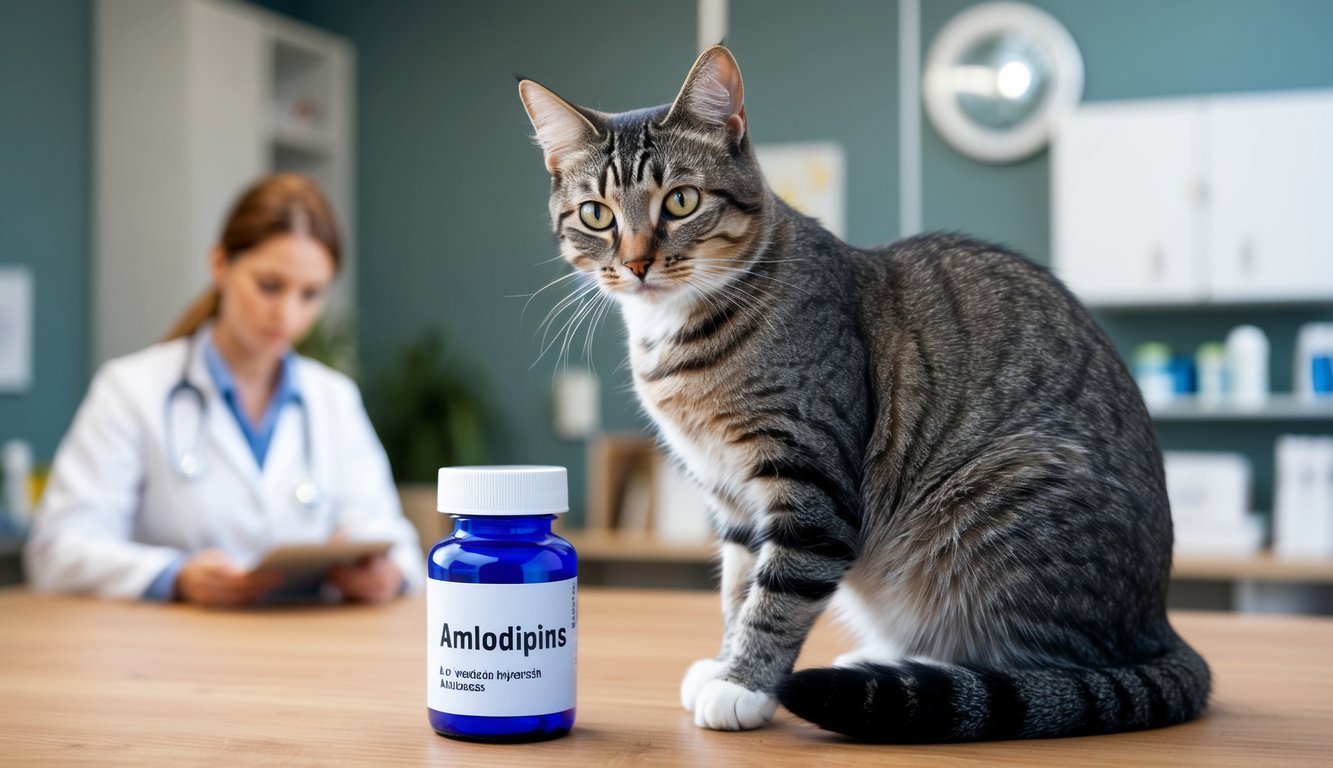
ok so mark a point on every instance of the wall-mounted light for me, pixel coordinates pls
(999, 77)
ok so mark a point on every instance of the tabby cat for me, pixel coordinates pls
(933, 432)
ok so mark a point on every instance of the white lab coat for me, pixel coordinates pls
(116, 511)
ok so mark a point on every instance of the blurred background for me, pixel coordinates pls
(1177, 172)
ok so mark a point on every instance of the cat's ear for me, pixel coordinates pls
(561, 128)
(713, 93)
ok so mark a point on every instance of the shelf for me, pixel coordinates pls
(303, 92)
(607, 546)
(1261, 567)
(295, 57)
(299, 138)
(1148, 306)
(1278, 408)
(612, 546)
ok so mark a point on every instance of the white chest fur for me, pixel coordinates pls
(651, 327)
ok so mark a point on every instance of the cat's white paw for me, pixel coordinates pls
(725, 706)
(867, 654)
(700, 673)
(849, 659)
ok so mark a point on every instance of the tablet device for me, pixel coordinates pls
(307, 563)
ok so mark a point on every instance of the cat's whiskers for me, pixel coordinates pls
(730, 279)
(713, 265)
(574, 297)
(622, 366)
(759, 297)
(583, 314)
(605, 303)
(533, 295)
(756, 302)
(773, 261)
(573, 300)
(711, 298)
(748, 298)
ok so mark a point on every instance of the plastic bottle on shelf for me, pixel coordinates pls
(16, 458)
(1211, 362)
(1152, 371)
(1313, 374)
(1247, 366)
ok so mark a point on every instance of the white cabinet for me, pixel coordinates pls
(1270, 177)
(195, 99)
(1200, 200)
(1125, 203)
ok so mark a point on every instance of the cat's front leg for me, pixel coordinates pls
(737, 563)
(806, 550)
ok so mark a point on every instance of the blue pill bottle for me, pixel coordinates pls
(502, 607)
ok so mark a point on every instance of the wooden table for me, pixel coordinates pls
(85, 681)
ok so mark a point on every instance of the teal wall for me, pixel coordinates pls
(45, 109)
(820, 71)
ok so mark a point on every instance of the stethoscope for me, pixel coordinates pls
(190, 463)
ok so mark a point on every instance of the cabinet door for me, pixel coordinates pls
(227, 66)
(1270, 160)
(1125, 203)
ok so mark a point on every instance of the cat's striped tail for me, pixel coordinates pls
(919, 702)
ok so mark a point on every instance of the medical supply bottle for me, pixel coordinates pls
(502, 607)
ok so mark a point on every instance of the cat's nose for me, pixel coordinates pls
(640, 266)
(637, 254)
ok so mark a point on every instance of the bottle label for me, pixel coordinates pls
(501, 650)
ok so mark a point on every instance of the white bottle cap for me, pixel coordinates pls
(512, 490)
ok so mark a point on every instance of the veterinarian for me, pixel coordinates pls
(189, 459)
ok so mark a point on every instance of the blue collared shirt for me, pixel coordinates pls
(260, 435)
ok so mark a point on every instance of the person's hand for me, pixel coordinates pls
(373, 580)
(210, 578)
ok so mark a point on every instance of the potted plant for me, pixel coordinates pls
(430, 411)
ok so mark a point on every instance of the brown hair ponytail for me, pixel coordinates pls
(278, 204)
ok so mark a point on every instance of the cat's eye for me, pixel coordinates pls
(681, 202)
(596, 215)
